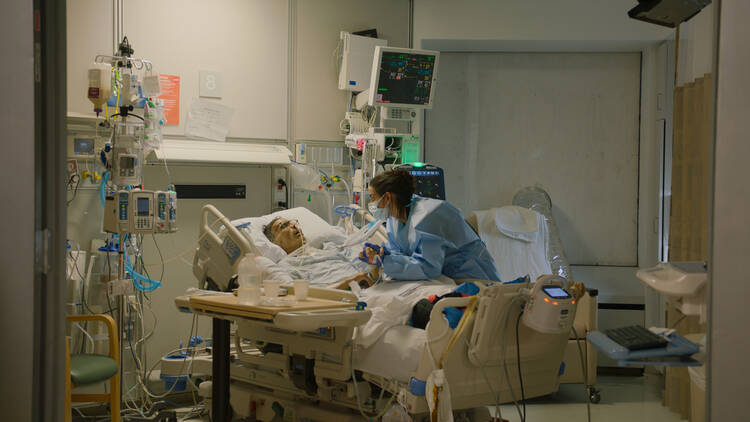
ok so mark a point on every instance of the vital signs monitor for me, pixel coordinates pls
(403, 77)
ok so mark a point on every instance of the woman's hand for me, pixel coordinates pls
(370, 252)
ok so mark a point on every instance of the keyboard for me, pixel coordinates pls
(636, 338)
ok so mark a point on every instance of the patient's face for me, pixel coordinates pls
(287, 234)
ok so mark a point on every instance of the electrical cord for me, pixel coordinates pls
(83, 285)
(77, 181)
(385, 408)
(502, 351)
(518, 365)
(109, 279)
(495, 396)
(585, 374)
(128, 115)
(189, 249)
(679, 320)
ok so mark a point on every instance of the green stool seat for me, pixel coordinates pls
(88, 369)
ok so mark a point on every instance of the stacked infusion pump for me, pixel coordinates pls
(130, 210)
(141, 212)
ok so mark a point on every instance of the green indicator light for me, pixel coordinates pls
(418, 164)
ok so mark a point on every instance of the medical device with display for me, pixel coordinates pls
(127, 153)
(429, 180)
(140, 212)
(403, 77)
(165, 214)
(143, 216)
(551, 308)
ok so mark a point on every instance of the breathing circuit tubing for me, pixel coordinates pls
(141, 282)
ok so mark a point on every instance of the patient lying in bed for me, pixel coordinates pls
(335, 265)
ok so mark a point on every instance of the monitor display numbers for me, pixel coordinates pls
(83, 146)
(405, 78)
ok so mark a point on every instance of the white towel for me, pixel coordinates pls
(516, 238)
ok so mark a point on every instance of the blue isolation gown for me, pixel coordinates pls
(435, 240)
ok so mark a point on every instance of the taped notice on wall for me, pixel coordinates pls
(170, 94)
(208, 120)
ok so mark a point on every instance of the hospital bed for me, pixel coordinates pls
(292, 358)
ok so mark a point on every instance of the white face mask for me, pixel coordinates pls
(378, 213)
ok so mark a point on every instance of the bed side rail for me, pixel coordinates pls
(217, 256)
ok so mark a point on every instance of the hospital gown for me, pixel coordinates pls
(435, 240)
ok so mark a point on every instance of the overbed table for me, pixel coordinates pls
(224, 308)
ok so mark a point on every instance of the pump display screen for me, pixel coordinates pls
(143, 205)
(127, 162)
(556, 292)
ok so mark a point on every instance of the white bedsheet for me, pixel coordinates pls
(391, 303)
(395, 355)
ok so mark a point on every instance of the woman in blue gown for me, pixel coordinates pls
(426, 237)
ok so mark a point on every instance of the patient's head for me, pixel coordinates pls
(285, 233)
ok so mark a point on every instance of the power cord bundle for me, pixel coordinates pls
(585, 374)
(362, 412)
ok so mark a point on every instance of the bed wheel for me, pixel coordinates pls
(595, 395)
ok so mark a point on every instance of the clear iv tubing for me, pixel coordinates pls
(138, 279)
(103, 188)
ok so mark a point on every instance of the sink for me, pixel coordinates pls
(675, 279)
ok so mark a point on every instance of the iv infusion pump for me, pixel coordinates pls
(141, 212)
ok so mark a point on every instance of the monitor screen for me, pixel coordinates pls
(143, 207)
(429, 181)
(403, 77)
(556, 292)
(83, 146)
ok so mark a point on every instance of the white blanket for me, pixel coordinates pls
(336, 261)
(321, 266)
(391, 303)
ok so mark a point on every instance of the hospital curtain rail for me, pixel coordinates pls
(688, 234)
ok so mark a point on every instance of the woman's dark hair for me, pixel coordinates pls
(397, 181)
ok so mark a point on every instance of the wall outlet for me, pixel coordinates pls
(72, 167)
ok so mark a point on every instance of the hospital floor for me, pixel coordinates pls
(623, 399)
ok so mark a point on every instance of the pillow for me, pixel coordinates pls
(316, 230)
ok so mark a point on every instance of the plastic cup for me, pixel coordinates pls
(248, 295)
(272, 287)
(301, 287)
